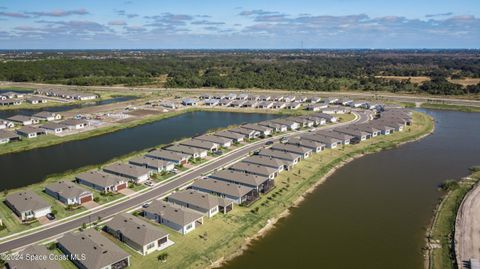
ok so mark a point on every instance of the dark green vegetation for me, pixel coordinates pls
(292, 70)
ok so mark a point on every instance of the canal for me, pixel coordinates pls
(4, 114)
(373, 212)
(24, 168)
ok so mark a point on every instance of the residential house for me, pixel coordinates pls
(135, 173)
(154, 164)
(357, 135)
(277, 164)
(344, 138)
(236, 137)
(54, 128)
(211, 102)
(368, 128)
(264, 131)
(33, 251)
(247, 133)
(292, 125)
(8, 136)
(68, 193)
(242, 96)
(329, 142)
(74, 124)
(30, 131)
(259, 183)
(265, 98)
(288, 99)
(27, 205)
(102, 181)
(10, 102)
(328, 117)
(22, 119)
(255, 169)
(190, 151)
(314, 99)
(384, 128)
(231, 96)
(253, 97)
(225, 102)
(316, 107)
(170, 156)
(276, 127)
(47, 116)
(180, 219)
(6, 124)
(236, 193)
(294, 105)
(278, 98)
(294, 149)
(278, 105)
(312, 145)
(286, 156)
(265, 104)
(189, 102)
(221, 141)
(36, 100)
(237, 103)
(138, 234)
(89, 249)
(201, 202)
(201, 144)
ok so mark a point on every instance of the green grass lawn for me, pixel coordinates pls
(443, 225)
(223, 235)
(452, 107)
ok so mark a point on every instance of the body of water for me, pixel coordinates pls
(372, 213)
(4, 114)
(27, 167)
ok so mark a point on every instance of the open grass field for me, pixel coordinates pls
(418, 80)
(224, 235)
(451, 107)
(441, 233)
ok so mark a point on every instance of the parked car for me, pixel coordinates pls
(148, 183)
(50, 216)
(269, 143)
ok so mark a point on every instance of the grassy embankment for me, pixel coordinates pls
(451, 107)
(441, 254)
(223, 235)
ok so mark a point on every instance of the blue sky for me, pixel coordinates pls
(223, 24)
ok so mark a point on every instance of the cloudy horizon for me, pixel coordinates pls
(238, 24)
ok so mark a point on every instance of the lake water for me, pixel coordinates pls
(24, 168)
(373, 212)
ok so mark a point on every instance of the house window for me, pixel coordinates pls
(151, 245)
(189, 226)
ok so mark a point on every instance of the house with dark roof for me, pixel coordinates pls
(170, 156)
(102, 181)
(239, 194)
(133, 172)
(312, 145)
(236, 137)
(276, 164)
(247, 133)
(255, 169)
(180, 219)
(304, 152)
(201, 144)
(27, 205)
(154, 164)
(344, 138)
(329, 142)
(33, 251)
(138, 234)
(47, 116)
(204, 203)
(54, 128)
(286, 156)
(22, 119)
(259, 183)
(74, 124)
(31, 131)
(68, 193)
(190, 151)
(8, 136)
(264, 131)
(89, 249)
(221, 141)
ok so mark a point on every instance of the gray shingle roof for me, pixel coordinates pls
(173, 213)
(26, 201)
(196, 198)
(101, 179)
(219, 186)
(66, 189)
(35, 250)
(98, 250)
(126, 169)
(135, 229)
(239, 177)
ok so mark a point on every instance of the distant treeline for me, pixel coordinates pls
(292, 71)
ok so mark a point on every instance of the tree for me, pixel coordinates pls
(162, 257)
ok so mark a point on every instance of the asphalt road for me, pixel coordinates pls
(467, 229)
(135, 201)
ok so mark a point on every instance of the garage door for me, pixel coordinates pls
(121, 186)
(85, 199)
